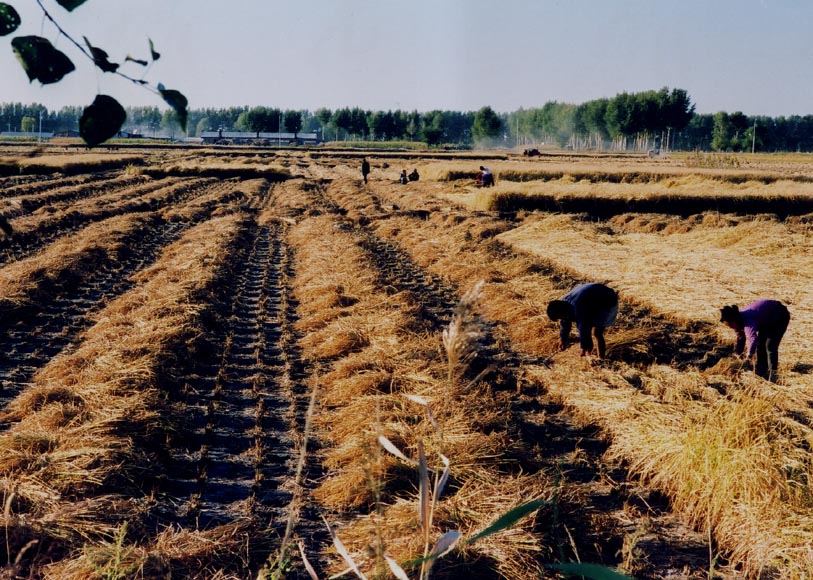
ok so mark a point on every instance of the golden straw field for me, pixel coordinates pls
(246, 363)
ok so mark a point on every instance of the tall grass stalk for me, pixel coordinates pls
(277, 566)
(461, 336)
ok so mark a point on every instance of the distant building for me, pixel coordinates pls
(25, 134)
(257, 138)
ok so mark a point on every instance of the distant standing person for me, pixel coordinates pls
(761, 324)
(593, 307)
(365, 169)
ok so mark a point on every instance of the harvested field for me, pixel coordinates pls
(208, 357)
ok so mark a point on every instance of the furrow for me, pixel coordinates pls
(234, 454)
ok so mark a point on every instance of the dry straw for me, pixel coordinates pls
(363, 405)
(680, 426)
(82, 432)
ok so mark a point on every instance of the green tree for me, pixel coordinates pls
(433, 128)
(487, 125)
(342, 119)
(28, 124)
(324, 116)
(203, 125)
(293, 122)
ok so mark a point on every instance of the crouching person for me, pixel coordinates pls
(593, 307)
(761, 324)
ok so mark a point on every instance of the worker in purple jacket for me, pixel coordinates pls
(593, 307)
(763, 324)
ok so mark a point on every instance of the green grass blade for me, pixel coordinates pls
(591, 571)
(508, 519)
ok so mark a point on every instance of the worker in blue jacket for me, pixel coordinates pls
(593, 307)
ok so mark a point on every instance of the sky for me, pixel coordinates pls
(752, 56)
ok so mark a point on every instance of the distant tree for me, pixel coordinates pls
(358, 122)
(293, 122)
(169, 122)
(696, 135)
(487, 124)
(413, 126)
(310, 124)
(324, 116)
(203, 125)
(342, 119)
(433, 128)
(242, 123)
(28, 124)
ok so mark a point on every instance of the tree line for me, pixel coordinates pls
(662, 119)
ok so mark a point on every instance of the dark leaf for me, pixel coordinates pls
(40, 59)
(100, 58)
(155, 55)
(136, 60)
(508, 519)
(101, 120)
(591, 571)
(9, 19)
(178, 102)
(69, 5)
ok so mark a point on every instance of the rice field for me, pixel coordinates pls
(249, 364)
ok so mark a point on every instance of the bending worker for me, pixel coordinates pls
(763, 323)
(593, 307)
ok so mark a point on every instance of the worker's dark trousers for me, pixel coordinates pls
(768, 339)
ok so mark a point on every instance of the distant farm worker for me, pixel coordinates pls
(365, 169)
(414, 175)
(486, 177)
(763, 324)
(403, 177)
(593, 307)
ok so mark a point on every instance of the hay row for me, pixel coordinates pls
(519, 172)
(200, 168)
(27, 285)
(601, 207)
(225, 197)
(372, 350)
(58, 185)
(764, 524)
(13, 207)
(73, 462)
(28, 228)
(67, 164)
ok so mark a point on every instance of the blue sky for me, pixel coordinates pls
(753, 56)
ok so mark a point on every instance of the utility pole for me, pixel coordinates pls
(754, 137)
(40, 138)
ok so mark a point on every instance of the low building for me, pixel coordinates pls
(26, 135)
(257, 138)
